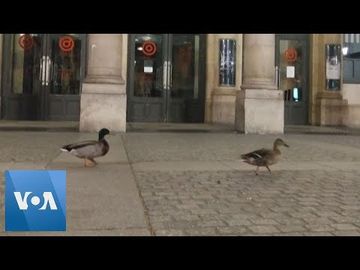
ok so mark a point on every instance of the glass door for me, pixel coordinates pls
(42, 81)
(148, 81)
(21, 83)
(186, 84)
(63, 62)
(292, 61)
(166, 82)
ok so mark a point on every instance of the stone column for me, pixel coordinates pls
(103, 97)
(1, 60)
(259, 105)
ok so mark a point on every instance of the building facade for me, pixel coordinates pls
(257, 82)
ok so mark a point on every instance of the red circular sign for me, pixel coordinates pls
(291, 54)
(149, 48)
(26, 42)
(66, 43)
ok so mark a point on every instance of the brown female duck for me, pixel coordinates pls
(264, 157)
(88, 150)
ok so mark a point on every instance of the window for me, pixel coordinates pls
(227, 62)
(351, 54)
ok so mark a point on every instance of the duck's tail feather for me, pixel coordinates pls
(66, 148)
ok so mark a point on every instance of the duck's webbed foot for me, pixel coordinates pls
(267, 167)
(89, 162)
(93, 161)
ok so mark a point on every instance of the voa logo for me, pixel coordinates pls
(35, 200)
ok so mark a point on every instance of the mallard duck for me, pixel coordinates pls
(264, 157)
(88, 150)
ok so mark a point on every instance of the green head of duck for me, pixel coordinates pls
(103, 132)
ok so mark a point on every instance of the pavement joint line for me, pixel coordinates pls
(146, 214)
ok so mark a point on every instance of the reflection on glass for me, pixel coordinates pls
(148, 66)
(227, 62)
(196, 78)
(333, 66)
(25, 62)
(66, 55)
(184, 59)
(181, 71)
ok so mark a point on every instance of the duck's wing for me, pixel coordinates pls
(69, 147)
(257, 154)
(86, 149)
(256, 157)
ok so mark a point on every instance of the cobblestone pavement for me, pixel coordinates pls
(238, 203)
(323, 201)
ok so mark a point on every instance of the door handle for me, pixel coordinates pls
(170, 75)
(45, 70)
(42, 70)
(48, 70)
(277, 77)
(165, 75)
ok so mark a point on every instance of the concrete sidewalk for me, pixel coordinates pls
(192, 183)
(103, 200)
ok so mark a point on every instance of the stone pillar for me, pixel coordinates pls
(103, 97)
(259, 105)
(1, 60)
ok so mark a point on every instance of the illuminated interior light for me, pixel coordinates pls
(296, 94)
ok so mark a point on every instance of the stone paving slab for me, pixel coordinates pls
(103, 200)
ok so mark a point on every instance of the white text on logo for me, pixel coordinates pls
(35, 200)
